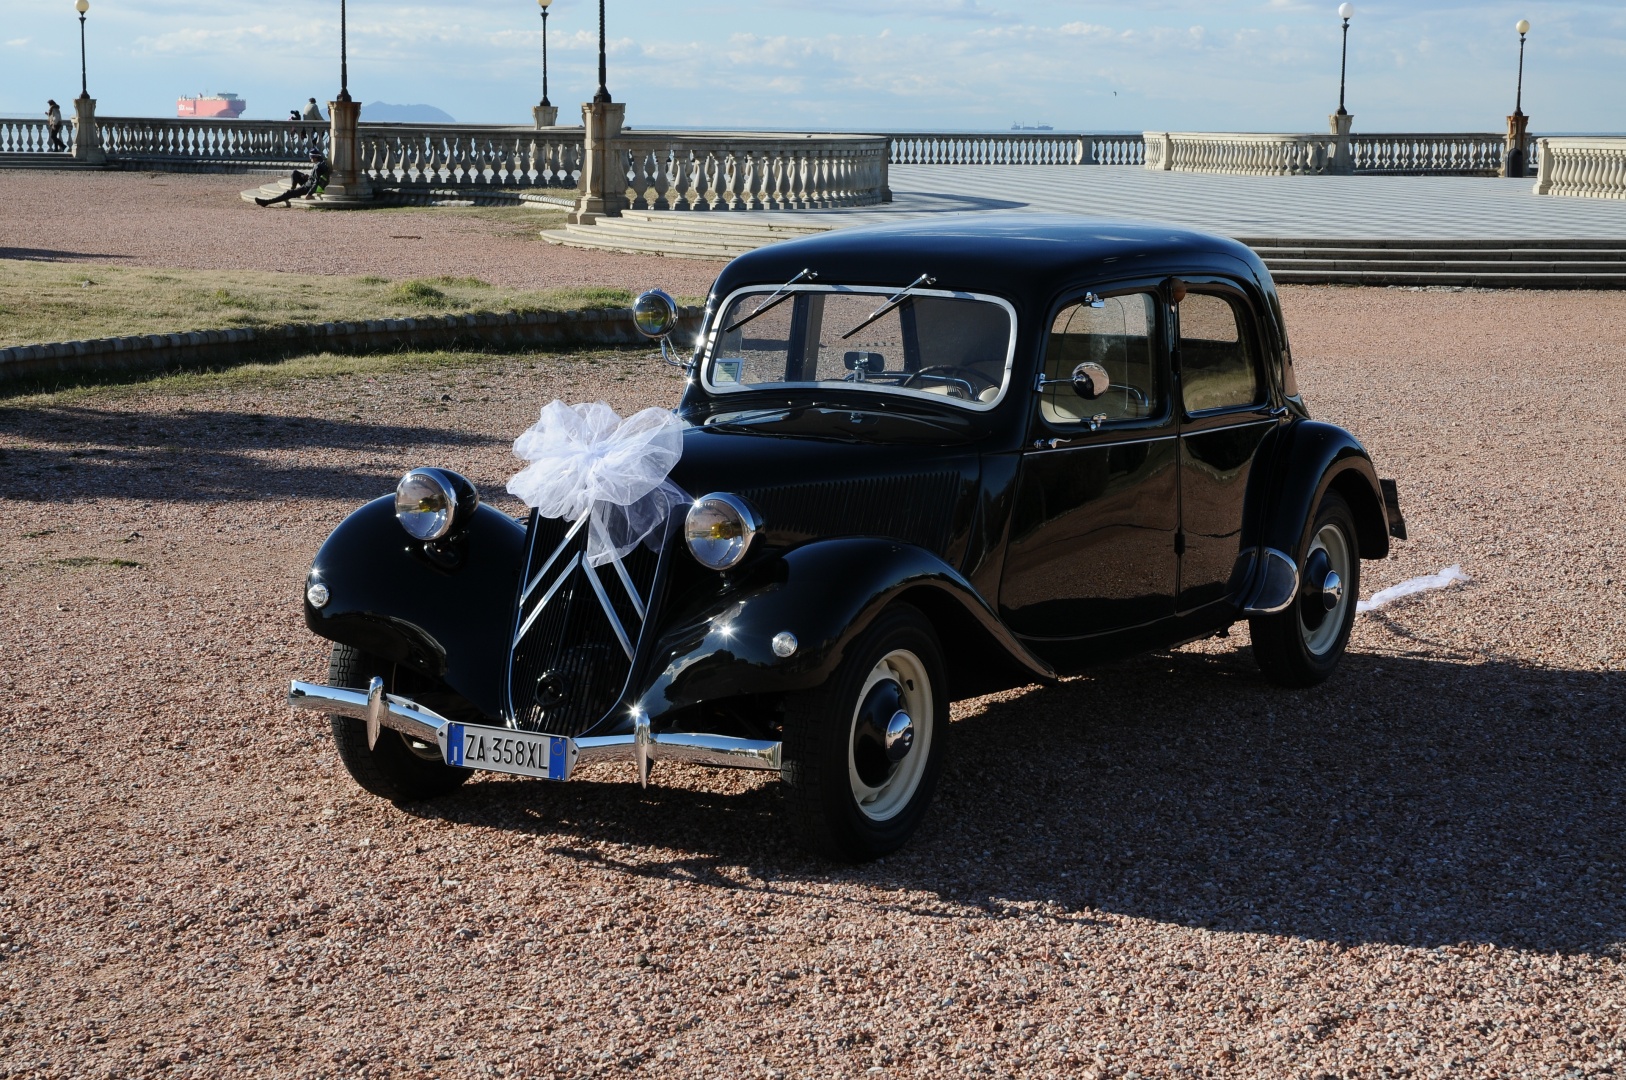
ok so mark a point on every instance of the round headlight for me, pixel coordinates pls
(427, 502)
(719, 529)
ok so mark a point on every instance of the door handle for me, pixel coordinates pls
(1049, 444)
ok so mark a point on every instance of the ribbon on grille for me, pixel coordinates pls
(587, 459)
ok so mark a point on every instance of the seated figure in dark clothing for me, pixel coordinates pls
(305, 185)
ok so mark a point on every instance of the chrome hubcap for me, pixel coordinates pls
(1332, 590)
(900, 736)
(1323, 598)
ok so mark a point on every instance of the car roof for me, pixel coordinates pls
(1016, 255)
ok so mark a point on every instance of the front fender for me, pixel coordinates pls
(448, 616)
(825, 593)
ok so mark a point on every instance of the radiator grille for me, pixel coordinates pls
(916, 509)
(569, 667)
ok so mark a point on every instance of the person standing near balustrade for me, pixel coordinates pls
(53, 124)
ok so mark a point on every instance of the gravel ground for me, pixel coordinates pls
(1168, 868)
(198, 221)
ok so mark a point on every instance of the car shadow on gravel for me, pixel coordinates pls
(1416, 801)
(54, 255)
(202, 455)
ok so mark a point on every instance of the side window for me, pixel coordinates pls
(1120, 337)
(1218, 356)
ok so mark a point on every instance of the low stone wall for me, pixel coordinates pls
(70, 359)
(1583, 168)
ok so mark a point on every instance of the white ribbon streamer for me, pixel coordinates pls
(587, 458)
(1442, 580)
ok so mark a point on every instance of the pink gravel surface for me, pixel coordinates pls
(198, 221)
(1168, 868)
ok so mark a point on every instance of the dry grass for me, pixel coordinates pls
(42, 301)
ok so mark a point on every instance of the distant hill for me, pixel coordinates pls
(383, 112)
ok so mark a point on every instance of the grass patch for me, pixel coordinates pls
(296, 370)
(45, 302)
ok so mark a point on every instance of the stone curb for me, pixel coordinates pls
(611, 326)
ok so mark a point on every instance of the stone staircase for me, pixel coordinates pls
(47, 160)
(1490, 264)
(691, 235)
(1494, 264)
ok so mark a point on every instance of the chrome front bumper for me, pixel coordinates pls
(643, 748)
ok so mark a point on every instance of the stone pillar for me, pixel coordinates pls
(347, 185)
(545, 115)
(1544, 169)
(1513, 154)
(1343, 154)
(604, 180)
(87, 141)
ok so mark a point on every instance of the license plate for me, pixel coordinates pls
(522, 753)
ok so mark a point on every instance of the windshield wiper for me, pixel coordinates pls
(779, 297)
(894, 301)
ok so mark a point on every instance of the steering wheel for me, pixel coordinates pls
(963, 380)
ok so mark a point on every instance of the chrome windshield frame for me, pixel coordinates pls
(714, 330)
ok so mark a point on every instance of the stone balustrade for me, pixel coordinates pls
(469, 155)
(144, 139)
(749, 171)
(1240, 153)
(30, 136)
(1582, 167)
(1244, 154)
(1450, 154)
(1016, 148)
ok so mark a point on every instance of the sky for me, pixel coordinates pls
(898, 65)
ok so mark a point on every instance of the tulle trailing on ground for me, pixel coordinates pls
(1444, 579)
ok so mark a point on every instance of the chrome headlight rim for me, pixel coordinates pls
(455, 495)
(748, 518)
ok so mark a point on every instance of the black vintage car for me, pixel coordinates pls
(918, 462)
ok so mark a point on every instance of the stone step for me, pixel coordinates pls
(719, 222)
(1261, 243)
(43, 160)
(592, 238)
(1502, 279)
(1451, 266)
(696, 238)
(1456, 257)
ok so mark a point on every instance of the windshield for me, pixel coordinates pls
(944, 347)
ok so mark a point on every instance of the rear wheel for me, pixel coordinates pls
(1301, 645)
(862, 752)
(399, 768)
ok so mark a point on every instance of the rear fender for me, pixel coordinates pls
(825, 594)
(447, 616)
(1304, 460)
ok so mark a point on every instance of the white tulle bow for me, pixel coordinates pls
(585, 458)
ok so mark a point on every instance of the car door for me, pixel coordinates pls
(1091, 541)
(1225, 412)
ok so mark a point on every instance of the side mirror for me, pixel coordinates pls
(1090, 381)
(655, 314)
(866, 363)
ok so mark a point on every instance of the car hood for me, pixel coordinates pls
(810, 487)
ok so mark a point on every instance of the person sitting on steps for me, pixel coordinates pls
(302, 185)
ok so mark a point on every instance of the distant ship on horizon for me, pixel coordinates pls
(211, 106)
(1019, 126)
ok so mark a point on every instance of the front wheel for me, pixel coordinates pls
(862, 752)
(1301, 645)
(398, 768)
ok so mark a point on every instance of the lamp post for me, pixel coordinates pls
(1518, 123)
(1344, 12)
(344, 57)
(603, 95)
(546, 114)
(82, 6)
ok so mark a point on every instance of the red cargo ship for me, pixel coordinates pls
(211, 106)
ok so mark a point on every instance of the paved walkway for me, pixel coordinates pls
(1259, 207)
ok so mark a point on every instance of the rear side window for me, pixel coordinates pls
(1120, 336)
(1219, 368)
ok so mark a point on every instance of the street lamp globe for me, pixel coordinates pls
(1346, 10)
(544, 4)
(1523, 26)
(81, 6)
